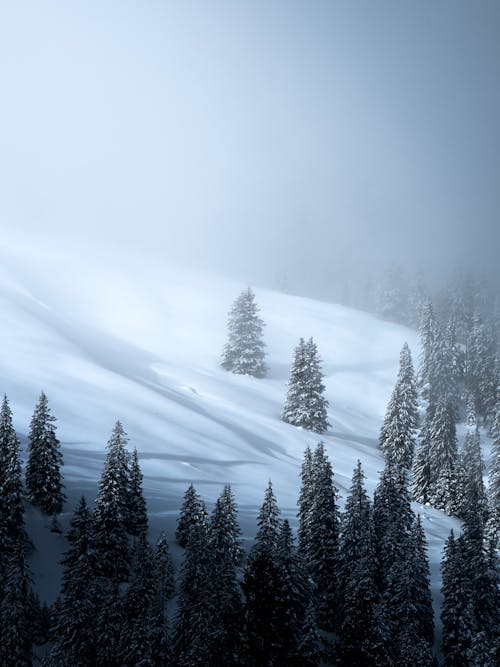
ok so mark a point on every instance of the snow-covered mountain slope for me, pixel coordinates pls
(142, 342)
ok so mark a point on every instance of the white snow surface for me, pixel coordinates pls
(141, 341)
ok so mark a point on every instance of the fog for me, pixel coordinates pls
(297, 142)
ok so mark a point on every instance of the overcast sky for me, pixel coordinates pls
(255, 137)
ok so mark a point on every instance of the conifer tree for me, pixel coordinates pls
(110, 619)
(164, 568)
(193, 512)
(471, 487)
(73, 628)
(421, 582)
(321, 557)
(397, 437)
(443, 457)
(362, 635)
(12, 532)
(421, 469)
(143, 639)
(137, 518)
(481, 367)
(310, 651)
(193, 636)
(305, 502)
(428, 335)
(15, 626)
(494, 468)
(109, 538)
(244, 352)
(43, 469)
(292, 595)
(224, 535)
(225, 548)
(260, 584)
(456, 609)
(305, 404)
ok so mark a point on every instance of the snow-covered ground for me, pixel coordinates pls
(141, 342)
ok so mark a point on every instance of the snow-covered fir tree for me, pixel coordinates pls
(193, 636)
(305, 404)
(15, 612)
(481, 373)
(12, 532)
(421, 469)
(363, 637)
(137, 517)
(244, 352)
(164, 568)
(428, 335)
(397, 436)
(193, 512)
(74, 615)
(305, 501)
(109, 537)
(443, 455)
(225, 547)
(143, 637)
(43, 469)
(321, 556)
(260, 584)
(470, 481)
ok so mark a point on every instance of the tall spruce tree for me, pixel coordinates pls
(143, 637)
(260, 584)
(481, 374)
(244, 352)
(164, 568)
(456, 608)
(15, 612)
(193, 635)
(12, 532)
(363, 638)
(305, 501)
(443, 455)
(193, 512)
(397, 436)
(43, 469)
(305, 404)
(225, 547)
(471, 487)
(109, 537)
(421, 469)
(321, 557)
(137, 517)
(73, 627)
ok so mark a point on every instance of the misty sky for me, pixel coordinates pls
(260, 138)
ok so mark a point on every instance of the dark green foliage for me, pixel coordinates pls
(164, 568)
(110, 618)
(456, 610)
(73, 626)
(193, 638)
(481, 374)
(109, 538)
(362, 633)
(244, 352)
(12, 530)
(143, 639)
(305, 404)
(225, 548)
(225, 532)
(397, 436)
(137, 517)
(321, 556)
(443, 457)
(43, 469)
(15, 612)
(192, 513)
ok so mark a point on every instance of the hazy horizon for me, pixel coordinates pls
(316, 141)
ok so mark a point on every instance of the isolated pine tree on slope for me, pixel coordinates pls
(397, 436)
(305, 404)
(244, 352)
(43, 475)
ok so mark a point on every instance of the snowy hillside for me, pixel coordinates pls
(142, 343)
